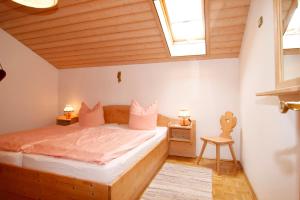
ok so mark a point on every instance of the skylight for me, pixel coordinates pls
(37, 3)
(291, 38)
(183, 26)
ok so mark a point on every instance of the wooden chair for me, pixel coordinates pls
(228, 122)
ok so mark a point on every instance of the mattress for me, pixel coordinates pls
(11, 158)
(104, 174)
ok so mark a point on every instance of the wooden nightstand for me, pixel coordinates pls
(62, 120)
(182, 139)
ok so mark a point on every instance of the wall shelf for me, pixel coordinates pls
(285, 94)
(289, 97)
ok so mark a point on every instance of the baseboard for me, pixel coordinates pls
(247, 179)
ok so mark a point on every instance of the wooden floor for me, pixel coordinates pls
(231, 184)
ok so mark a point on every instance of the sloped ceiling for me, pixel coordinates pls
(87, 33)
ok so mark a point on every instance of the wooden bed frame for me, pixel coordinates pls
(18, 183)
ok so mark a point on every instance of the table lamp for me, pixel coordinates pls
(184, 116)
(68, 111)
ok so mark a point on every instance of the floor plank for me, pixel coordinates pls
(231, 184)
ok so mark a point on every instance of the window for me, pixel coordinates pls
(291, 37)
(183, 25)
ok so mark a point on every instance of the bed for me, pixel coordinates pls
(27, 176)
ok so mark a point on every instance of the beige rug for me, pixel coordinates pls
(180, 182)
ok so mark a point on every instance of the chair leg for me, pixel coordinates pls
(232, 154)
(218, 158)
(202, 151)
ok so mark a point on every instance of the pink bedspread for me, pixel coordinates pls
(19, 140)
(97, 145)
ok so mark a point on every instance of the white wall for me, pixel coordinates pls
(29, 93)
(207, 88)
(270, 140)
(291, 68)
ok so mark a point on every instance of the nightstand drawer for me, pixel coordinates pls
(181, 134)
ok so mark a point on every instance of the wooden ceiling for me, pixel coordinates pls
(87, 33)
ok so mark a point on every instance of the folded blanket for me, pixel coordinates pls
(96, 145)
(17, 141)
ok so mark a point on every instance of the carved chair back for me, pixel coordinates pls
(228, 122)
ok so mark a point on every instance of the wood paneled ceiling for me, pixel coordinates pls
(87, 33)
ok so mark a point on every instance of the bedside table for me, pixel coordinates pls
(182, 139)
(62, 120)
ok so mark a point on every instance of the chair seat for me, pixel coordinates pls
(218, 140)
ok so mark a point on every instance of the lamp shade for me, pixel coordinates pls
(37, 3)
(68, 108)
(184, 113)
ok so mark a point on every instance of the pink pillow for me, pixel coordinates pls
(91, 117)
(142, 118)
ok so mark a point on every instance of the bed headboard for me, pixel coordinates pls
(120, 114)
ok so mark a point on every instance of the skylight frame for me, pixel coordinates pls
(181, 48)
(166, 14)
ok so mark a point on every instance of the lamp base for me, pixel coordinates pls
(68, 115)
(185, 122)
